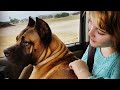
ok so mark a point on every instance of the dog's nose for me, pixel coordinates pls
(6, 52)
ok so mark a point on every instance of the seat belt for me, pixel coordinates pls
(90, 61)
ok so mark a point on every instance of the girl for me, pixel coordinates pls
(104, 32)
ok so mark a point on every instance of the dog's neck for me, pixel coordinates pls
(54, 52)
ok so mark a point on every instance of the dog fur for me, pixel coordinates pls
(37, 45)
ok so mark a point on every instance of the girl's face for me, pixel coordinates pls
(98, 37)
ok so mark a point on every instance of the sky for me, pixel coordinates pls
(4, 15)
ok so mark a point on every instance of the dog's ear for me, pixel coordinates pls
(43, 31)
(31, 22)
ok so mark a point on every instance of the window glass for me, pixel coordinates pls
(65, 24)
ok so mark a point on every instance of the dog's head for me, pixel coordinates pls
(29, 43)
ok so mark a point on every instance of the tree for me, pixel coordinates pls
(14, 21)
(61, 15)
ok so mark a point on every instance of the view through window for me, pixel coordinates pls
(65, 24)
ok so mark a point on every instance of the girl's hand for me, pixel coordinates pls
(80, 68)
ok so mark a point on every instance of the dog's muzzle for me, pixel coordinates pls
(7, 52)
(10, 51)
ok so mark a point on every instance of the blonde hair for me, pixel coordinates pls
(110, 22)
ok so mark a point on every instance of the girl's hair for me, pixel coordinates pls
(110, 22)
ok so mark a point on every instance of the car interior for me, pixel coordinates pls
(9, 71)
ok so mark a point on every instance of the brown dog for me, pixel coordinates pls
(38, 46)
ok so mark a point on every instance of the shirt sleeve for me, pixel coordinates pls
(116, 71)
(115, 74)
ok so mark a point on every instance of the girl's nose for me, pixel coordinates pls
(91, 32)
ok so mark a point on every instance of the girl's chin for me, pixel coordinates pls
(93, 44)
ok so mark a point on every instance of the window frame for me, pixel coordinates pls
(83, 34)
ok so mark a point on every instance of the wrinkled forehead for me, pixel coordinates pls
(29, 33)
(25, 30)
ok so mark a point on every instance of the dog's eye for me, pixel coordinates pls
(26, 43)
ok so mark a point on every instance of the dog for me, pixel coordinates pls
(37, 45)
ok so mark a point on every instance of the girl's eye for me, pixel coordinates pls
(100, 32)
